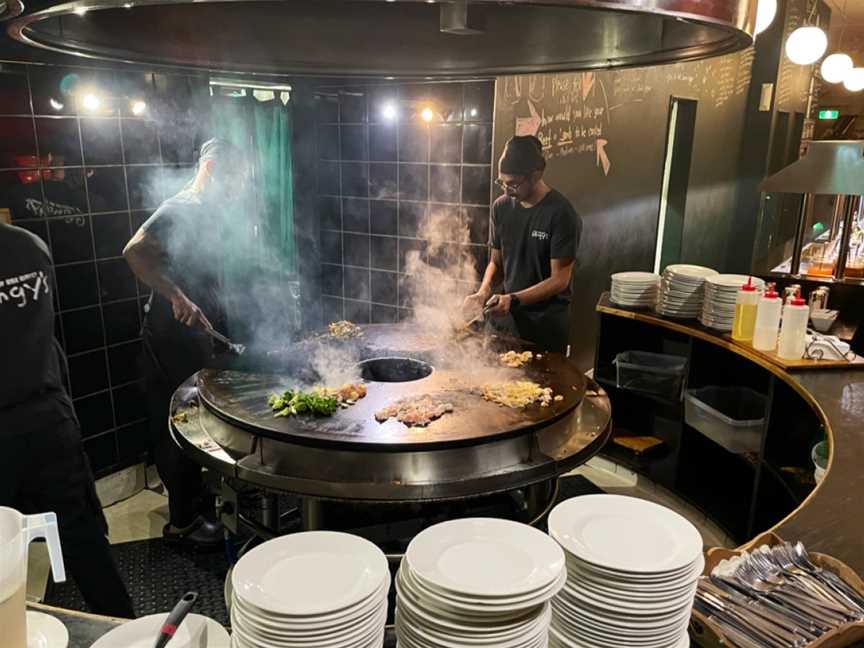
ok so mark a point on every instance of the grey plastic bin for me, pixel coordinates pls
(732, 417)
(651, 373)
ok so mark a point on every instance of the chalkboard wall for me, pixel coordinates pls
(605, 136)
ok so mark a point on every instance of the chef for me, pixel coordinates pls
(177, 252)
(535, 239)
(42, 462)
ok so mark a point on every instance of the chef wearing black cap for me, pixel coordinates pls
(535, 239)
(42, 462)
(177, 252)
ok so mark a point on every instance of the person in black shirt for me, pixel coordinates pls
(177, 252)
(42, 462)
(535, 239)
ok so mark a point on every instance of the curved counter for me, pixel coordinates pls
(829, 519)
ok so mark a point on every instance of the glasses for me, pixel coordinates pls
(510, 186)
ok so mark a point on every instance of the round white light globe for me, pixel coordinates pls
(836, 67)
(806, 45)
(765, 15)
(854, 81)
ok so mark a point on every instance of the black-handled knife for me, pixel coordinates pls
(175, 618)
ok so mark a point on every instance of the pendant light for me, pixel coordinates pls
(765, 14)
(854, 81)
(836, 67)
(806, 45)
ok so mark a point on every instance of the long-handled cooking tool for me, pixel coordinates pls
(237, 349)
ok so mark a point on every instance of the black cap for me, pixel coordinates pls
(522, 155)
(219, 149)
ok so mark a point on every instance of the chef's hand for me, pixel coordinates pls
(187, 312)
(499, 304)
(473, 304)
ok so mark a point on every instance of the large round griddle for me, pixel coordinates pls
(240, 398)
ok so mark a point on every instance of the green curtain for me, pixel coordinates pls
(258, 242)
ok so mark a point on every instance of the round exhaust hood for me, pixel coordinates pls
(390, 38)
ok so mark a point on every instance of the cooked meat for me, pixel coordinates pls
(514, 359)
(344, 329)
(347, 394)
(518, 394)
(414, 412)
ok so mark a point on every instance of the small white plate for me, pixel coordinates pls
(45, 631)
(732, 281)
(196, 631)
(685, 271)
(485, 557)
(310, 574)
(635, 278)
(625, 534)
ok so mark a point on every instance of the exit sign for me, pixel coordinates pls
(829, 114)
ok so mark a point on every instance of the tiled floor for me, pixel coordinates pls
(143, 515)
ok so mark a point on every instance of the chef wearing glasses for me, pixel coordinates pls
(535, 239)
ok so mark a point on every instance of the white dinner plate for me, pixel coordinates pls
(485, 557)
(45, 631)
(310, 573)
(196, 631)
(688, 271)
(635, 277)
(732, 281)
(625, 534)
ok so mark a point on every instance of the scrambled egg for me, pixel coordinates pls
(514, 360)
(518, 394)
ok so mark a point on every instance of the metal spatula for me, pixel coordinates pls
(237, 349)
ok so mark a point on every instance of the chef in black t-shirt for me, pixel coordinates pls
(42, 462)
(178, 252)
(535, 239)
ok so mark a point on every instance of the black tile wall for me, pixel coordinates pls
(381, 175)
(72, 178)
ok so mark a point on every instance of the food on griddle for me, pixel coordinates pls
(415, 412)
(181, 417)
(347, 394)
(344, 330)
(294, 401)
(514, 359)
(518, 394)
(321, 401)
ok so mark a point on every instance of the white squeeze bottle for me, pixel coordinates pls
(793, 332)
(767, 320)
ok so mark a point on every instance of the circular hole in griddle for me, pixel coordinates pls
(393, 370)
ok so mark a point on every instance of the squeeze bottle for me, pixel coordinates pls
(767, 320)
(793, 332)
(746, 305)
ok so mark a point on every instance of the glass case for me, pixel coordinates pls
(813, 235)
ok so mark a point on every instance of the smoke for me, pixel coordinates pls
(336, 365)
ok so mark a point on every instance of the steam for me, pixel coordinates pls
(336, 365)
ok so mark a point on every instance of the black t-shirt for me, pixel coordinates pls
(529, 238)
(189, 234)
(60, 199)
(29, 356)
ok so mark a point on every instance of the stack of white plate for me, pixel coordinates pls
(718, 309)
(478, 582)
(632, 571)
(310, 589)
(635, 289)
(681, 290)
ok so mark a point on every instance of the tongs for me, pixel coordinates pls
(483, 313)
(236, 349)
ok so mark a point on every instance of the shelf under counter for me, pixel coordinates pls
(824, 400)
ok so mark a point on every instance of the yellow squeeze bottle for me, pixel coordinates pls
(746, 304)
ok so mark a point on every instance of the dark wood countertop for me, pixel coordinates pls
(830, 520)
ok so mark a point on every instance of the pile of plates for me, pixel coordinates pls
(635, 289)
(478, 582)
(681, 290)
(310, 589)
(718, 309)
(632, 567)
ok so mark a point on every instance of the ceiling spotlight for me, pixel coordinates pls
(80, 11)
(128, 5)
(389, 111)
(806, 45)
(765, 15)
(91, 101)
(56, 105)
(854, 81)
(473, 112)
(427, 115)
(836, 67)
(138, 107)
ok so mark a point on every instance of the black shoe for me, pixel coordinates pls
(202, 534)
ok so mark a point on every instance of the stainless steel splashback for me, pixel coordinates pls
(828, 167)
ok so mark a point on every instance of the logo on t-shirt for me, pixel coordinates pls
(23, 289)
(537, 234)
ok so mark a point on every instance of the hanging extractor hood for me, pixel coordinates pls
(834, 167)
(389, 38)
